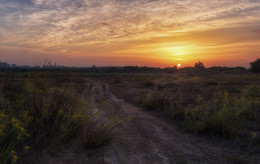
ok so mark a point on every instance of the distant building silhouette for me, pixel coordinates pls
(4, 65)
(13, 65)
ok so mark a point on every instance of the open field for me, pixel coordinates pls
(130, 118)
(222, 107)
(129, 82)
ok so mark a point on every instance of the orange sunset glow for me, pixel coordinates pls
(122, 32)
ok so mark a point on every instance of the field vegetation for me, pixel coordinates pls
(225, 105)
(46, 109)
(42, 111)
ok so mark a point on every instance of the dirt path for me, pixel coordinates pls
(149, 139)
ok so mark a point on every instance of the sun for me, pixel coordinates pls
(179, 65)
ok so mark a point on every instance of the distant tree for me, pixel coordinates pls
(199, 66)
(255, 66)
(48, 64)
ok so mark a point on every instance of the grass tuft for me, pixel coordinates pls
(43, 116)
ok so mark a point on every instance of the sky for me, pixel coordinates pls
(157, 33)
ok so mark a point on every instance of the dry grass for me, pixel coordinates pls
(38, 114)
(220, 104)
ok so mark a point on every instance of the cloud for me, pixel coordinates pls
(17, 1)
(78, 25)
(84, 19)
(256, 31)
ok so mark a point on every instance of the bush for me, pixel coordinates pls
(255, 66)
(44, 116)
(253, 91)
(222, 115)
(39, 117)
(12, 135)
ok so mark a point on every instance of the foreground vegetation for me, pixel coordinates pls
(44, 113)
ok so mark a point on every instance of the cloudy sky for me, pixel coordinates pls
(130, 32)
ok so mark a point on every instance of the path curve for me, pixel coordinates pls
(149, 139)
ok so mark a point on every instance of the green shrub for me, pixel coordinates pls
(12, 136)
(222, 115)
(56, 113)
(253, 91)
(46, 116)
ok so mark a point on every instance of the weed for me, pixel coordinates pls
(253, 91)
(43, 115)
(97, 131)
(223, 115)
(156, 101)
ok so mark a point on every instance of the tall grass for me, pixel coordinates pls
(97, 132)
(37, 117)
(223, 115)
(164, 102)
(42, 116)
(156, 100)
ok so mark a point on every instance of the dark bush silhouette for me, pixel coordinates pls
(255, 66)
(199, 66)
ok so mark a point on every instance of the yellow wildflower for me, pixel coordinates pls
(253, 134)
(60, 112)
(14, 159)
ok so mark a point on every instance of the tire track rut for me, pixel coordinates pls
(149, 139)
